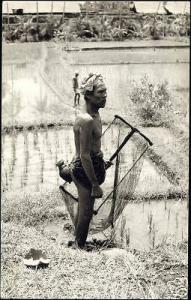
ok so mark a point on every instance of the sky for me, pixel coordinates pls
(73, 6)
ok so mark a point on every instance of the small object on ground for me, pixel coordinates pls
(64, 171)
(68, 227)
(60, 163)
(36, 258)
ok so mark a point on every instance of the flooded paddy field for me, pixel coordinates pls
(29, 159)
(39, 89)
(52, 94)
(142, 226)
(29, 165)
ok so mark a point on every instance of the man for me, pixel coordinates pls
(87, 169)
(76, 89)
(132, 7)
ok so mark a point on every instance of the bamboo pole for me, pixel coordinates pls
(63, 14)
(12, 96)
(116, 179)
(185, 7)
(186, 18)
(64, 7)
(8, 15)
(163, 18)
(37, 16)
(158, 6)
(51, 8)
(119, 16)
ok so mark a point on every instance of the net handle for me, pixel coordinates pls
(135, 129)
(122, 144)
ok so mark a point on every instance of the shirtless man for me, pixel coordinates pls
(88, 170)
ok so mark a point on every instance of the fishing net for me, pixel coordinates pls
(121, 178)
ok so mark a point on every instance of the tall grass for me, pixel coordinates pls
(32, 209)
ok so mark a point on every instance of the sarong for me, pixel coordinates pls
(76, 168)
(99, 169)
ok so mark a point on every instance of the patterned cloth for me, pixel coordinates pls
(80, 175)
(91, 81)
(76, 168)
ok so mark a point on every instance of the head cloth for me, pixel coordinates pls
(89, 82)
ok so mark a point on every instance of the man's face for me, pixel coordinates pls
(99, 96)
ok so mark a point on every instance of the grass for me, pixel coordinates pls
(75, 274)
(160, 273)
(32, 209)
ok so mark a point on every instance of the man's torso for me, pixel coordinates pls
(95, 143)
(75, 83)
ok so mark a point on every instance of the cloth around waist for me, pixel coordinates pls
(99, 168)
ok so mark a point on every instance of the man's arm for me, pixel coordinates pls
(86, 129)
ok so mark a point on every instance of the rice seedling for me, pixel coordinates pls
(42, 168)
(165, 202)
(128, 237)
(150, 221)
(169, 211)
(122, 230)
(153, 236)
(177, 223)
(6, 179)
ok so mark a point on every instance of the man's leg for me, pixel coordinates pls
(75, 99)
(84, 215)
(78, 98)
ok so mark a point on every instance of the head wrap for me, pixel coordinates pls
(89, 82)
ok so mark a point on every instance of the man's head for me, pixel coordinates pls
(94, 90)
(76, 73)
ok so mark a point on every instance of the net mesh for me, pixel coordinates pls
(121, 178)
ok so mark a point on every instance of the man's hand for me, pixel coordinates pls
(96, 191)
(108, 164)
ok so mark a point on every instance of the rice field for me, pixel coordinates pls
(37, 89)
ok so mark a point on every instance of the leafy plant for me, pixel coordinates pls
(153, 102)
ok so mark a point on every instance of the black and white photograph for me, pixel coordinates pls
(95, 149)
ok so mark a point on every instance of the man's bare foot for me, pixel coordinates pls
(73, 245)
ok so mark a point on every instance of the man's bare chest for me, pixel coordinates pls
(97, 129)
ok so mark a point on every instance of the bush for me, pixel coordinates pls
(153, 102)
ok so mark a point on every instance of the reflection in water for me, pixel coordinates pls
(34, 155)
(144, 229)
(37, 85)
(29, 158)
(29, 98)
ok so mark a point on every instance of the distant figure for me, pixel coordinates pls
(76, 89)
(132, 7)
(167, 11)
